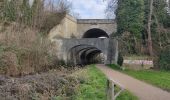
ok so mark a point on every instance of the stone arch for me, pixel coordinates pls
(107, 25)
(107, 46)
(95, 33)
(83, 54)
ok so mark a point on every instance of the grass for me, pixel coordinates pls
(93, 86)
(126, 95)
(160, 79)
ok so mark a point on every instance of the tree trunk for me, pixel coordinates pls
(149, 28)
(158, 30)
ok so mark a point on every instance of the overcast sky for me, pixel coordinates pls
(89, 9)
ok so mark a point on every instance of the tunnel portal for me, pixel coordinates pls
(95, 33)
(84, 54)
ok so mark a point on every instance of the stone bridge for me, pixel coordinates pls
(85, 41)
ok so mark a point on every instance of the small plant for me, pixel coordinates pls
(164, 60)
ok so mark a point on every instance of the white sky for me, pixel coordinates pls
(89, 9)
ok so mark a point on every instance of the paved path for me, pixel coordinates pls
(142, 90)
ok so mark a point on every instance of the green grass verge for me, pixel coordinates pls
(160, 79)
(93, 86)
(126, 95)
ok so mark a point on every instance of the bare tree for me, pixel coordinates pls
(149, 28)
(111, 9)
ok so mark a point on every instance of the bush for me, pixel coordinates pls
(120, 59)
(8, 63)
(30, 52)
(164, 60)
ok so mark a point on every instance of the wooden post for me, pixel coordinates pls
(110, 90)
(113, 93)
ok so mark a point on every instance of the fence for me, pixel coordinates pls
(112, 94)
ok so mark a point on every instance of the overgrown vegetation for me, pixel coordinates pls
(157, 78)
(142, 25)
(93, 86)
(44, 86)
(24, 47)
(41, 14)
(130, 17)
(120, 59)
(164, 59)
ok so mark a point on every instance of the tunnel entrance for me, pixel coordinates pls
(95, 33)
(85, 54)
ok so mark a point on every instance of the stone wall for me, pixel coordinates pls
(75, 28)
(69, 32)
(66, 29)
(109, 47)
(109, 26)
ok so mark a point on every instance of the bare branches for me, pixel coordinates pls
(40, 14)
(111, 9)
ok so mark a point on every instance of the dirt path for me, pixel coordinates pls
(142, 90)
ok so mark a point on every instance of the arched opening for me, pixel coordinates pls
(84, 54)
(95, 33)
(93, 57)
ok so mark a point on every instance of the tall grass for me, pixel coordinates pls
(24, 48)
(30, 50)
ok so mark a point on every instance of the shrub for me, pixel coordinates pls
(120, 59)
(164, 60)
(9, 64)
(22, 33)
(31, 51)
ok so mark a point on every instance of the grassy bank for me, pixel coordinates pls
(93, 86)
(158, 78)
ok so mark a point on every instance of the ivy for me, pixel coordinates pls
(130, 17)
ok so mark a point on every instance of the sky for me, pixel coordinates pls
(89, 9)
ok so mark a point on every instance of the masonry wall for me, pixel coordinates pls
(71, 27)
(75, 28)
(109, 47)
(66, 29)
(109, 28)
(63, 37)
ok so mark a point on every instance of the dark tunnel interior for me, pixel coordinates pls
(95, 33)
(84, 55)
